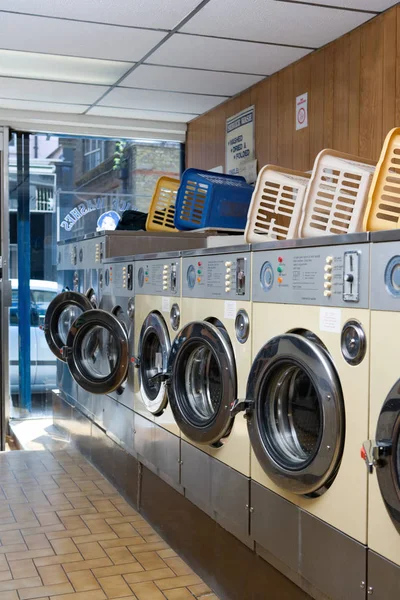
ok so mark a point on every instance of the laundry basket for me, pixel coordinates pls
(162, 208)
(275, 208)
(337, 195)
(383, 210)
(207, 199)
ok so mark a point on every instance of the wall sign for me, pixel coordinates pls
(302, 111)
(239, 140)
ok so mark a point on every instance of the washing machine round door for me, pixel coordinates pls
(62, 311)
(297, 421)
(386, 453)
(203, 382)
(154, 349)
(97, 352)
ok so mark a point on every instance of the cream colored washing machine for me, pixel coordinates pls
(307, 406)
(209, 363)
(157, 319)
(382, 453)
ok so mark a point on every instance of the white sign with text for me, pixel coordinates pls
(302, 111)
(239, 140)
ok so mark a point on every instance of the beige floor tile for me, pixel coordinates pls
(99, 526)
(150, 560)
(97, 537)
(119, 556)
(133, 567)
(178, 566)
(184, 581)
(9, 595)
(87, 564)
(199, 590)
(23, 568)
(3, 563)
(67, 533)
(11, 537)
(30, 554)
(168, 553)
(124, 530)
(115, 587)
(139, 547)
(91, 550)
(147, 591)
(37, 541)
(64, 546)
(94, 595)
(83, 581)
(5, 575)
(19, 584)
(52, 575)
(179, 594)
(58, 560)
(119, 542)
(148, 575)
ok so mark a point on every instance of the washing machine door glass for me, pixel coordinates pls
(386, 453)
(61, 313)
(298, 421)
(154, 349)
(97, 352)
(202, 382)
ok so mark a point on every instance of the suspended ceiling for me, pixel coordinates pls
(156, 60)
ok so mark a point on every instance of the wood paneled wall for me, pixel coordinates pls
(353, 87)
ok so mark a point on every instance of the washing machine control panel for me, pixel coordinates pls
(216, 276)
(158, 277)
(385, 276)
(118, 278)
(323, 276)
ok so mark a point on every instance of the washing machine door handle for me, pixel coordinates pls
(374, 453)
(246, 406)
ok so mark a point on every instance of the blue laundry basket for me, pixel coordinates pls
(207, 199)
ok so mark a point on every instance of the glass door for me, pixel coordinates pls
(5, 287)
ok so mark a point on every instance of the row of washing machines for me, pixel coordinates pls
(263, 383)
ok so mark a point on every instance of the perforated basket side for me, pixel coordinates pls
(383, 210)
(191, 204)
(162, 208)
(275, 208)
(337, 196)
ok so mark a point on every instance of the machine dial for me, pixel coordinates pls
(242, 326)
(267, 276)
(141, 277)
(175, 316)
(392, 276)
(353, 342)
(107, 277)
(191, 276)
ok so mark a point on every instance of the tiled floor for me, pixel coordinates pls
(66, 534)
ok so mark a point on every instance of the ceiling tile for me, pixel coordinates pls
(60, 68)
(375, 5)
(187, 80)
(55, 36)
(140, 13)
(224, 55)
(277, 22)
(31, 89)
(126, 113)
(165, 101)
(42, 106)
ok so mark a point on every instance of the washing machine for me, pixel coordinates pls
(208, 367)
(306, 406)
(63, 310)
(157, 319)
(382, 452)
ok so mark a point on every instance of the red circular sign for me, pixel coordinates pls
(301, 116)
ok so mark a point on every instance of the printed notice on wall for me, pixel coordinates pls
(230, 309)
(330, 319)
(165, 304)
(302, 111)
(239, 140)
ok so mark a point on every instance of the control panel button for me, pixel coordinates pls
(392, 276)
(228, 263)
(327, 293)
(327, 285)
(328, 268)
(280, 259)
(191, 276)
(280, 270)
(267, 276)
(327, 277)
(329, 260)
(280, 280)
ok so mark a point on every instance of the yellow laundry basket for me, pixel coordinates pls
(275, 208)
(383, 210)
(337, 195)
(162, 208)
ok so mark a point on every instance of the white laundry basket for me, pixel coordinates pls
(275, 208)
(337, 195)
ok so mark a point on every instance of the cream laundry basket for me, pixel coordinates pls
(275, 208)
(337, 195)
